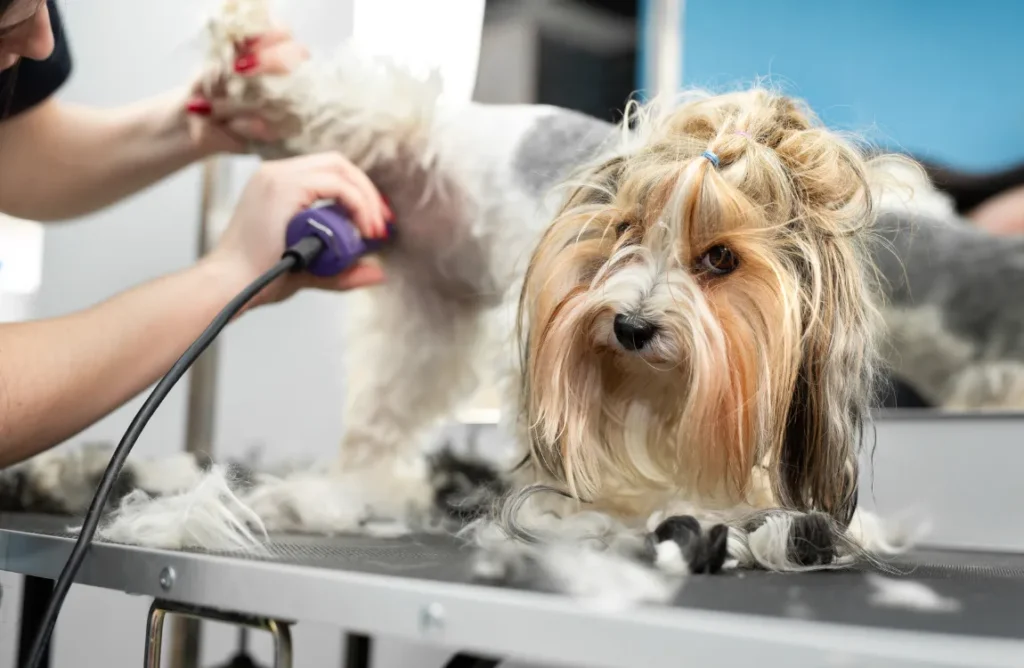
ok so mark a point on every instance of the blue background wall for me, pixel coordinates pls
(940, 78)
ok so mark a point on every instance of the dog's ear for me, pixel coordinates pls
(817, 468)
(817, 463)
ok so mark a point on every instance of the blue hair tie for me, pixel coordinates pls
(712, 158)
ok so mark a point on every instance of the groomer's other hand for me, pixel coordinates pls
(254, 240)
(1002, 214)
(219, 126)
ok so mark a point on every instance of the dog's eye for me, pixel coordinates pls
(719, 260)
(621, 229)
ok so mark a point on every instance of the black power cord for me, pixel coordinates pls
(296, 258)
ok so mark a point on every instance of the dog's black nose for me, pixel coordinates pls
(633, 333)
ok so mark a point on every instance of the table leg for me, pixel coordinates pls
(154, 636)
(185, 642)
(35, 595)
(357, 650)
(279, 630)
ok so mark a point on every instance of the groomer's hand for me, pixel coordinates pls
(219, 127)
(1002, 214)
(254, 240)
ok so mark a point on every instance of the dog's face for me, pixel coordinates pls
(685, 323)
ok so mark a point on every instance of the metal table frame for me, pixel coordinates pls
(550, 629)
(477, 622)
(37, 590)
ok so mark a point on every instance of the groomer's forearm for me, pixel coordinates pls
(61, 161)
(59, 376)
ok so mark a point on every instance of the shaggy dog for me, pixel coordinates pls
(683, 311)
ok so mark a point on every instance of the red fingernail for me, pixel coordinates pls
(387, 208)
(245, 63)
(200, 107)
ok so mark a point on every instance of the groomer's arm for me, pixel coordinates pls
(60, 161)
(59, 376)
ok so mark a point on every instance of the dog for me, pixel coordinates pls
(683, 311)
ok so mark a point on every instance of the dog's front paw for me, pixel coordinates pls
(812, 541)
(787, 540)
(680, 545)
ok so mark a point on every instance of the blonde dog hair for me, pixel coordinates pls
(769, 366)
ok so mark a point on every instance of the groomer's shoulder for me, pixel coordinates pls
(32, 82)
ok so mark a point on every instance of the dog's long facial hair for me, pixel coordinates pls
(690, 330)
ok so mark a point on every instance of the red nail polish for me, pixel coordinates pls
(387, 209)
(245, 63)
(200, 107)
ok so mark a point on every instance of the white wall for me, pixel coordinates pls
(275, 364)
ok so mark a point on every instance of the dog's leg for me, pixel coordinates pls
(783, 540)
(411, 363)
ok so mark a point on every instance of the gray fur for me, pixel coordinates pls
(557, 144)
(62, 483)
(973, 277)
(953, 325)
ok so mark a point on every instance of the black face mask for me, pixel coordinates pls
(31, 82)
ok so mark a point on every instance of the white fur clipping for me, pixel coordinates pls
(326, 502)
(895, 536)
(599, 579)
(70, 475)
(606, 581)
(209, 516)
(908, 594)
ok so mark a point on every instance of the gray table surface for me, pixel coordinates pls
(418, 588)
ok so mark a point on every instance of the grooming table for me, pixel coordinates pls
(417, 588)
